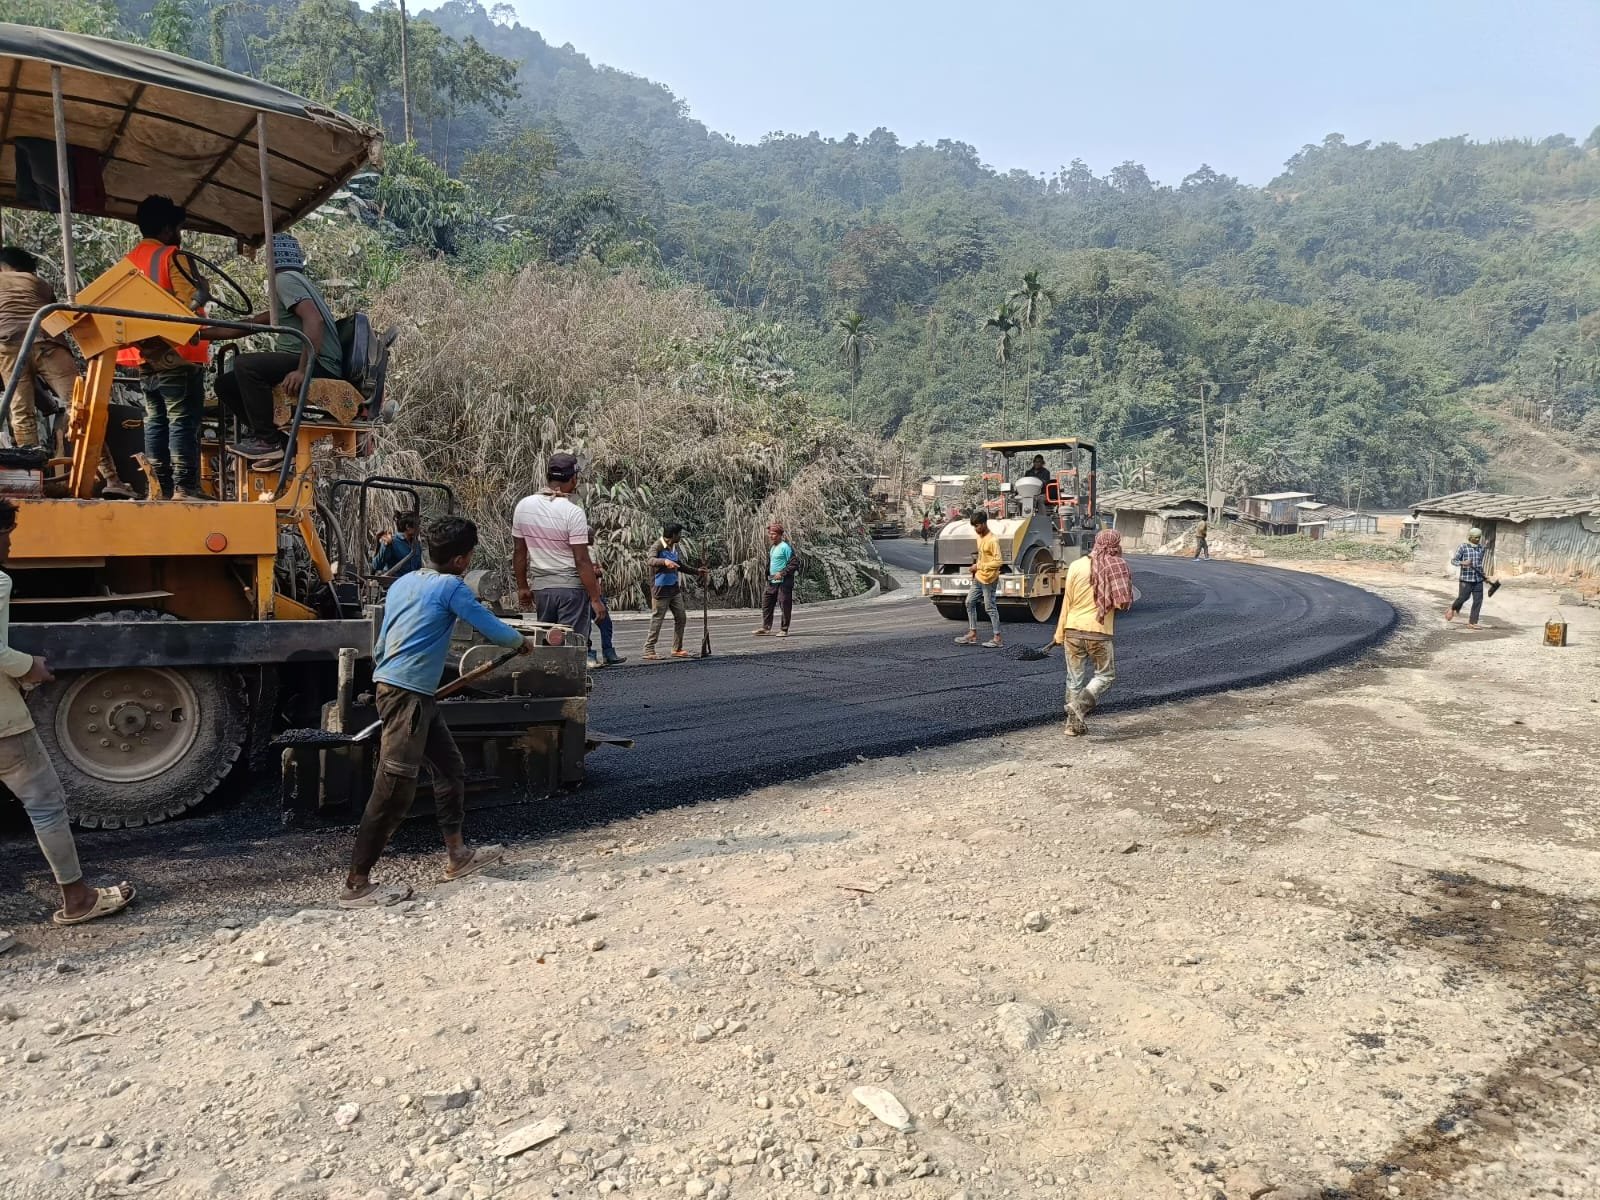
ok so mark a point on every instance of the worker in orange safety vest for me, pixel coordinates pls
(173, 376)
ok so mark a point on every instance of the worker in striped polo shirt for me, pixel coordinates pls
(555, 576)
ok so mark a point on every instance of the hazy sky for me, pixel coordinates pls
(1169, 83)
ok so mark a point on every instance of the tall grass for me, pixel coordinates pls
(673, 416)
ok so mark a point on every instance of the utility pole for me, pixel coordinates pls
(405, 77)
(1205, 448)
(1222, 463)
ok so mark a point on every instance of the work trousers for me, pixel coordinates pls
(986, 592)
(1086, 656)
(27, 771)
(778, 593)
(414, 735)
(173, 404)
(245, 389)
(1200, 550)
(660, 606)
(564, 606)
(607, 630)
(49, 362)
(1469, 590)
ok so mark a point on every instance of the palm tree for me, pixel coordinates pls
(1004, 323)
(856, 341)
(1030, 299)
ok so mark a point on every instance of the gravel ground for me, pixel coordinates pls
(1334, 937)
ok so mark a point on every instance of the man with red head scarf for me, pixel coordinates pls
(1098, 587)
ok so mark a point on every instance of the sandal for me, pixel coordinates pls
(681, 654)
(377, 896)
(106, 901)
(482, 856)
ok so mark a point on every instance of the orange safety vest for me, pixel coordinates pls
(155, 260)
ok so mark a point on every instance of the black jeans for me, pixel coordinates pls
(778, 593)
(1470, 591)
(246, 389)
(414, 735)
(173, 402)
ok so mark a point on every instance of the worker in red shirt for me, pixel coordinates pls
(173, 376)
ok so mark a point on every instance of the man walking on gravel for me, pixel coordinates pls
(985, 576)
(1200, 550)
(31, 777)
(419, 615)
(1469, 558)
(555, 576)
(781, 568)
(1097, 589)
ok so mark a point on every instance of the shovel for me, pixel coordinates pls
(317, 738)
(705, 612)
(1035, 653)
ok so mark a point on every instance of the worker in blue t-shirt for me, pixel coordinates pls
(666, 592)
(782, 567)
(409, 657)
(400, 552)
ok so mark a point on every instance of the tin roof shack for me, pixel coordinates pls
(1556, 535)
(1329, 520)
(1149, 520)
(943, 487)
(1274, 512)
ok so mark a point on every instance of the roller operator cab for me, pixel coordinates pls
(1043, 520)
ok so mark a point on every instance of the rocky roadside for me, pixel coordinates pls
(1332, 938)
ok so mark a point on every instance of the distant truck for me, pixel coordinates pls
(1042, 527)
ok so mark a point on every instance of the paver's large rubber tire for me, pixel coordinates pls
(136, 745)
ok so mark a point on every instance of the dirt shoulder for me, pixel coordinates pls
(1335, 934)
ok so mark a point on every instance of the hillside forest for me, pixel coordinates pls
(1373, 325)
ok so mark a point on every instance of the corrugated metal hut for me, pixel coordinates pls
(1557, 535)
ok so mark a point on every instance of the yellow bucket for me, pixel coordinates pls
(1555, 631)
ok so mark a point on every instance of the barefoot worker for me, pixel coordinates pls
(421, 610)
(27, 771)
(1098, 587)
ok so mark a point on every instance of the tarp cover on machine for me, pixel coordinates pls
(161, 124)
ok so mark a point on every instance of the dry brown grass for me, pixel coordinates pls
(646, 385)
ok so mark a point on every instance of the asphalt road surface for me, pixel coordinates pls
(871, 679)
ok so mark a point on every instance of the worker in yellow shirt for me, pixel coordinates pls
(985, 574)
(1098, 587)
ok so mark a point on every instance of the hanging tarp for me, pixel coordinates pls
(166, 125)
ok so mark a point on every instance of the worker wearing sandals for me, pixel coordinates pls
(985, 576)
(666, 592)
(27, 771)
(419, 614)
(782, 566)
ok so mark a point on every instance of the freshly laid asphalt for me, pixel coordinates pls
(868, 680)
